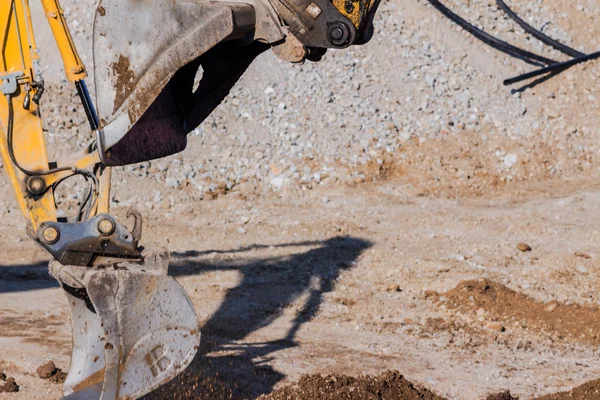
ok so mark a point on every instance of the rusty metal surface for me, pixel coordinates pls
(134, 327)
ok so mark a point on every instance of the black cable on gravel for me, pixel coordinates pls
(492, 41)
(547, 40)
(559, 67)
(549, 67)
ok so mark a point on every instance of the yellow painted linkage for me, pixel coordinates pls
(28, 137)
(74, 68)
(18, 54)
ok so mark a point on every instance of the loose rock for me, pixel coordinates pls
(551, 306)
(50, 372)
(495, 326)
(46, 370)
(502, 396)
(524, 247)
(10, 386)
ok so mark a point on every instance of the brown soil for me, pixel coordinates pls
(190, 386)
(45, 371)
(9, 386)
(59, 377)
(587, 391)
(507, 308)
(502, 396)
(390, 385)
(42, 330)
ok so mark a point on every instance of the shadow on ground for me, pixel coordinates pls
(228, 368)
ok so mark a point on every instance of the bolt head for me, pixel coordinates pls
(36, 185)
(337, 33)
(50, 235)
(106, 226)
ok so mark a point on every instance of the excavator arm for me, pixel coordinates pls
(134, 327)
(34, 177)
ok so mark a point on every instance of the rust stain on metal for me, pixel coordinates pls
(124, 81)
(150, 289)
(143, 101)
(96, 377)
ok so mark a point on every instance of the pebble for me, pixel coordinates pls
(278, 182)
(495, 326)
(275, 169)
(165, 204)
(9, 386)
(524, 247)
(551, 306)
(393, 288)
(46, 370)
(510, 160)
(582, 269)
(171, 182)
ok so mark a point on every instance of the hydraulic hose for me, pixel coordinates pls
(538, 34)
(553, 68)
(490, 40)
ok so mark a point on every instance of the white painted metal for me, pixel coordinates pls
(142, 332)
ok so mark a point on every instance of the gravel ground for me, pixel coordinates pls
(420, 79)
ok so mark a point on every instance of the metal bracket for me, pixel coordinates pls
(9, 82)
(79, 243)
(317, 23)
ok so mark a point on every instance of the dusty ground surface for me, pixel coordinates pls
(364, 239)
(365, 281)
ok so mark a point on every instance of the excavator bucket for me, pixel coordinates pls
(134, 327)
(144, 88)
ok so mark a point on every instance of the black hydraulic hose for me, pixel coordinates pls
(88, 105)
(536, 82)
(496, 43)
(9, 143)
(538, 34)
(89, 177)
(552, 68)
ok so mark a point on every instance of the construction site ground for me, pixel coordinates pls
(442, 228)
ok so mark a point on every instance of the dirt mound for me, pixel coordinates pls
(188, 386)
(588, 391)
(507, 308)
(389, 385)
(502, 396)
